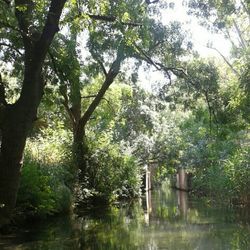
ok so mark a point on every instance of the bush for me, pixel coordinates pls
(43, 190)
(47, 175)
(111, 175)
(237, 169)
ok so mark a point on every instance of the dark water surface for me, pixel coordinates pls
(164, 219)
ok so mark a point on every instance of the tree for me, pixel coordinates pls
(115, 33)
(18, 117)
(231, 18)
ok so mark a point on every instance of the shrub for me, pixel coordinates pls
(43, 190)
(237, 168)
(47, 175)
(111, 175)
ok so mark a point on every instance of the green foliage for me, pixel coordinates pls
(47, 175)
(211, 140)
(113, 175)
(43, 190)
(218, 159)
(199, 123)
(227, 179)
(237, 169)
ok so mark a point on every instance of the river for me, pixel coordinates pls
(163, 219)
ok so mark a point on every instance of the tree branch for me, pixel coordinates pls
(146, 57)
(111, 74)
(226, 61)
(93, 96)
(102, 67)
(150, 2)
(113, 19)
(241, 39)
(160, 66)
(102, 18)
(50, 29)
(180, 73)
(246, 9)
(59, 73)
(11, 47)
(88, 96)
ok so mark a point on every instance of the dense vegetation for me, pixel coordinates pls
(72, 96)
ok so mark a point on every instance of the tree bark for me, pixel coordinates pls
(80, 150)
(13, 142)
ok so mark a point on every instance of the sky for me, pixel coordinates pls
(200, 36)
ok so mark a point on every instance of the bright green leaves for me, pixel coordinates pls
(98, 7)
(21, 7)
(131, 37)
(73, 2)
(103, 6)
(125, 17)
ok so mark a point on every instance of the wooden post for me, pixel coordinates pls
(182, 203)
(153, 171)
(181, 180)
(148, 206)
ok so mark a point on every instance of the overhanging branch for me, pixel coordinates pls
(11, 47)
(151, 2)
(159, 66)
(179, 72)
(102, 18)
(112, 19)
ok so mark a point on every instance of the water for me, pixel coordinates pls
(164, 219)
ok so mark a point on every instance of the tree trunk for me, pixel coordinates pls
(17, 122)
(80, 147)
(14, 133)
(80, 150)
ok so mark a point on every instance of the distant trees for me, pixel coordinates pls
(232, 19)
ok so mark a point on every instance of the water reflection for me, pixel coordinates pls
(182, 203)
(165, 219)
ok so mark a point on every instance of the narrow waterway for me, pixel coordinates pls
(164, 219)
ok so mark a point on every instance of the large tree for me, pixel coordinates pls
(115, 34)
(35, 25)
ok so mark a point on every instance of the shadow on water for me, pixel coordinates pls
(163, 219)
